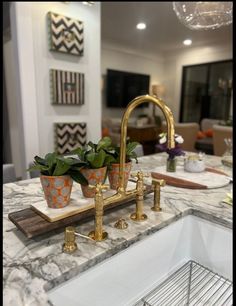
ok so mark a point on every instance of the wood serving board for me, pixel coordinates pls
(32, 224)
(210, 178)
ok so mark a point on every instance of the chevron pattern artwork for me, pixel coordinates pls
(67, 87)
(69, 136)
(66, 34)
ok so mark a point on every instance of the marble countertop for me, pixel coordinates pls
(31, 267)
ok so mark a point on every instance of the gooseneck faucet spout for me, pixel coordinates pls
(124, 123)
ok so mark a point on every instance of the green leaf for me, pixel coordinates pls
(109, 159)
(50, 157)
(38, 167)
(72, 161)
(75, 168)
(61, 168)
(96, 160)
(90, 158)
(79, 151)
(78, 177)
(79, 163)
(51, 161)
(105, 142)
(40, 161)
(130, 147)
(92, 145)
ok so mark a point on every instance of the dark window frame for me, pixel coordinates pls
(184, 69)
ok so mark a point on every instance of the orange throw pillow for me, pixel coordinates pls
(200, 135)
(105, 132)
(208, 133)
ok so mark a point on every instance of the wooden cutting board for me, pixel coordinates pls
(210, 178)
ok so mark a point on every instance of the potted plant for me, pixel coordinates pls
(114, 164)
(95, 158)
(172, 153)
(56, 175)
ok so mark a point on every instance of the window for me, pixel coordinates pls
(206, 91)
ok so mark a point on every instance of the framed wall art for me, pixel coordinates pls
(67, 87)
(65, 34)
(69, 136)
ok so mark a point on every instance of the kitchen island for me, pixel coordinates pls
(31, 267)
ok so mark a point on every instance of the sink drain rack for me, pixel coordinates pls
(192, 284)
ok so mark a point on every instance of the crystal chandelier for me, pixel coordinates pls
(204, 15)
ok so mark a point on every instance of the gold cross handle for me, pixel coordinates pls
(140, 175)
(99, 187)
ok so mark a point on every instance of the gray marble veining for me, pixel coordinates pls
(33, 266)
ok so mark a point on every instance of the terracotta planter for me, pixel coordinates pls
(93, 176)
(57, 190)
(113, 175)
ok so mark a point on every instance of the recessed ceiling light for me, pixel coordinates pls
(141, 26)
(187, 42)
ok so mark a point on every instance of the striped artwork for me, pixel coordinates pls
(66, 34)
(69, 136)
(67, 87)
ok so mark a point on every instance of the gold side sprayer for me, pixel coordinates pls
(157, 184)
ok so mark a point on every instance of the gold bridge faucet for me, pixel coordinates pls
(121, 194)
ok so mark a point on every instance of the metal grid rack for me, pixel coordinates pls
(192, 284)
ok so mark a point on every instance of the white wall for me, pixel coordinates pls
(117, 58)
(174, 65)
(14, 110)
(30, 40)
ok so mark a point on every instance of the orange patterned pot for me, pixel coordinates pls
(113, 175)
(57, 190)
(93, 176)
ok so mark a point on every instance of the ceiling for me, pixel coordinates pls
(164, 31)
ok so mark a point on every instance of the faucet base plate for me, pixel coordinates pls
(92, 236)
(156, 208)
(121, 224)
(69, 247)
(134, 217)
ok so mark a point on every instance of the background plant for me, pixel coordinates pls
(177, 151)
